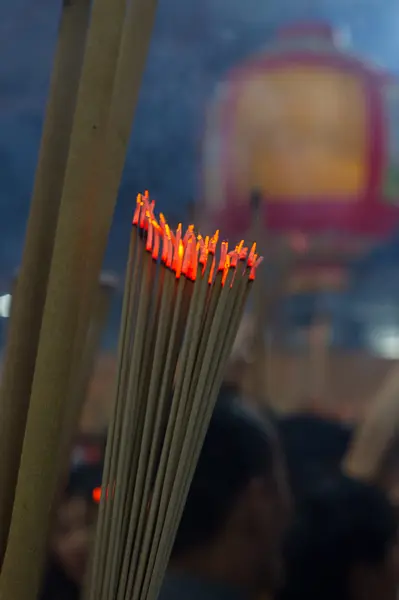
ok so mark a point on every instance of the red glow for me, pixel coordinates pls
(256, 264)
(213, 242)
(189, 233)
(136, 216)
(150, 235)
(236, 254)
(193, 265)
(223, 255)
(169, 257)
(183, 254)
(252, 255)
(96, 495)
(178, 260)
(187, 258)
(226, 269)
(178, 250)
(212, 271)
(204, 250)
(155, 250)
(243, 253)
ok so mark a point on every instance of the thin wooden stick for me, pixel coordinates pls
(28, 299)
(79, 393)
(221, 339)
(142, 546)
(129, 456)
(128, 313)
(193, 442)
(149, 447)
(106, 288)
(177, 483)
(87, 360)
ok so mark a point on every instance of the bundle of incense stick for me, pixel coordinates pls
(184, 299)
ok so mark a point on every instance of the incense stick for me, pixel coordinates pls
(376, 433)
(188, 314)
(86, 364)
(116, 424)
(28, 299)
(221, 339)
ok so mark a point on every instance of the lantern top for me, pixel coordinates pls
(312, 127)
(323, 33)
(301, 30)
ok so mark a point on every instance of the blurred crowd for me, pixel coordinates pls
(269, 515)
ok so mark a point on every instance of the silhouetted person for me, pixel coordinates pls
(314, 448)
(342, 545)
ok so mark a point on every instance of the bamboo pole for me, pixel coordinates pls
(377, 432)
(85, 179)
(106, 289)
(28, 300)
(130, 66)
(132, 57)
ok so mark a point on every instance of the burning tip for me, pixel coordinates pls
(254, 267)
(183, 253)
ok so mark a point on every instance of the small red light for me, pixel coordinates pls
(96, 495)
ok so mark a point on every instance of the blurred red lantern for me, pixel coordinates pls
(315, 131)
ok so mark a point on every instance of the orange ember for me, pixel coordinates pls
(96, 495)
(224, 247)
(183, 253)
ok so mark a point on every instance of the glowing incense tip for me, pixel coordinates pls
(157, 241)
(211, 274)
(226, 269)
(184, 253)
(252, 255)
(189, 258)
(150, 234)
(213, 242)
(189, 232)
(204, 250)
(165, 246)
(178, 260)
(162, 220)
(136, 216)
(223, 255)
(243, 253)
(252, 273)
